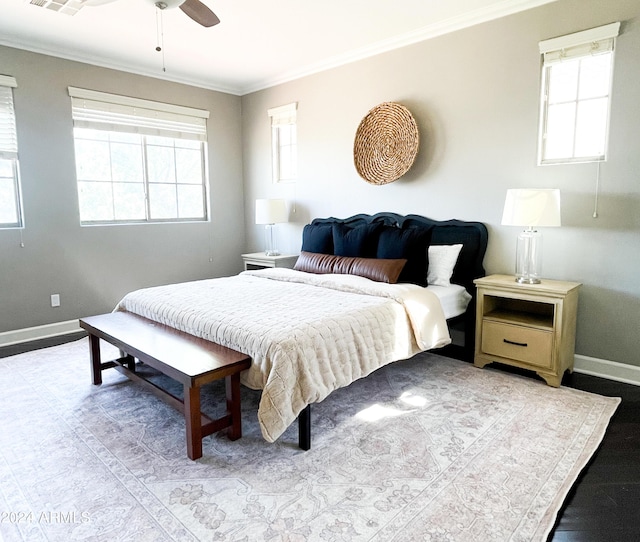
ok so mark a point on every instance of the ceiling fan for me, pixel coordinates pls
(195, 9)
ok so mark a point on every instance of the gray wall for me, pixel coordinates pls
(92, 267)
(475, 96)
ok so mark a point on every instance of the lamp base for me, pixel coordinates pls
(529, 257)
(271, 249)
(527, 280)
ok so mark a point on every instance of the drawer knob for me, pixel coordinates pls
(515, 343)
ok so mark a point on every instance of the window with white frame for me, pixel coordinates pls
(137, 160)
(284, 143)
(10, 201)
(577, 75)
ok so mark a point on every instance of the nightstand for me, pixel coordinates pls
(531, 326)
(259, 260)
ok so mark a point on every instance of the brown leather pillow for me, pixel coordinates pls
(378, 269)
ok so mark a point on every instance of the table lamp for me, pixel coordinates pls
(532, 208)
(271, 212)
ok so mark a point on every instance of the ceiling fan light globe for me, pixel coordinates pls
(167, 4)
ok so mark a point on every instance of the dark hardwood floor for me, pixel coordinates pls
(604, 504)
(20, 348)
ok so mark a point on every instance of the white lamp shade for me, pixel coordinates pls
(271, 211)
(532, 207)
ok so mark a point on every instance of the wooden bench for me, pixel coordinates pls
(189, 360)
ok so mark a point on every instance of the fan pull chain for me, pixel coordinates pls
(160, 36)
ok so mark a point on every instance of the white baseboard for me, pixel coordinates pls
(29, 334)
(611, 370)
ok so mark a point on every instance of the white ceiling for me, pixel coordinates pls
(259, 43)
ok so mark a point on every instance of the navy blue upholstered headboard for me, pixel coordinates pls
(472, 235)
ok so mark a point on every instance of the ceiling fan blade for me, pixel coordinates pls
(199, 13)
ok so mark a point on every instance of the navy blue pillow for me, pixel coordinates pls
(317, 238)
(411, 244)
(356, 241)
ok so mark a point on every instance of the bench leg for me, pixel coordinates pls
(232, 384)
(130, 361)
(96, 364)
(193, 421)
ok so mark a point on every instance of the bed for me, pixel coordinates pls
(473, 238)
(357, 300)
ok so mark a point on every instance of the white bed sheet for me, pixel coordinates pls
(453, 298)
(307, 334)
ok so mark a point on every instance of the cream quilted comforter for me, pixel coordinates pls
(306, 334)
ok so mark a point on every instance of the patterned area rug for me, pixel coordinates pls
(429, 449)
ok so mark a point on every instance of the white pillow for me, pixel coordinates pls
(442, 260)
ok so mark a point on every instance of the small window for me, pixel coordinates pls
(10, 200)
(138, 161)
(284, 143)
(576, 94)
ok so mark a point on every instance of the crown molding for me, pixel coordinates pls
(466, 20)
(453, 24)
(136, 69)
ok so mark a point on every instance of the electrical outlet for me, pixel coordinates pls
(55, 300)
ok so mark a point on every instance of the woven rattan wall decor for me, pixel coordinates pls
(386, 143)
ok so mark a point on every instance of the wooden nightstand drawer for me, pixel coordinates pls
(520, 343)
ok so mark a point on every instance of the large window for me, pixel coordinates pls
(10, 201)
(284, 144)
(138, 161)
(575, 99)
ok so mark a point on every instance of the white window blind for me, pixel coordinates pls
(283, 115)
(115, 113)
(8, 137)
(10, 200)
(588, 42)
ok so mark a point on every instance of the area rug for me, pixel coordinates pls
(429, 449)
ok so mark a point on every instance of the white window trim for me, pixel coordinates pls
(592, 41)
(280, 116)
